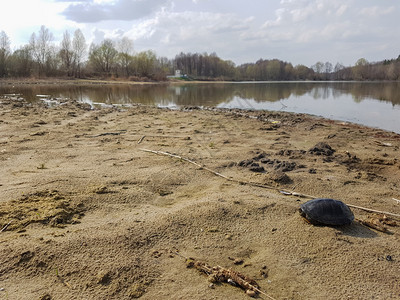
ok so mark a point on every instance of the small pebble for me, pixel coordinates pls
(251, 293)
(228, 236)
(231, 282)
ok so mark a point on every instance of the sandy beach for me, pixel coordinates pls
(86, 213)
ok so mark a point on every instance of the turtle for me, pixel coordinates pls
(325, 211)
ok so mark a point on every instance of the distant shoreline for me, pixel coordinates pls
(54, 81)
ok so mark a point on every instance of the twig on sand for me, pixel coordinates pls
(141, 139)
(208, 169)
(163, 136)
(383, 144)
(107, 133)
(397, 200)
(5, 227)
(285, 192)
(373, 225)
(374, 210)
(221, 274)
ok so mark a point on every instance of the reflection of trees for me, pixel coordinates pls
(211, 94)
(214, 94)
(383, 91)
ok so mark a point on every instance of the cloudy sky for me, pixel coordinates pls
(298, 31)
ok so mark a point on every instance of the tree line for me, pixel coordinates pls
(74, 58)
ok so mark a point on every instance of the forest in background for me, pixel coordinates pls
(74, 58)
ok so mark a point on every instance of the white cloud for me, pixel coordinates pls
(376, 11)
(341, 10)
(20, 18)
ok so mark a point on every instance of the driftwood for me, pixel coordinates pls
(220, 274)
(284, 192)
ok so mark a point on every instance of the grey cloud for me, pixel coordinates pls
(124, 10)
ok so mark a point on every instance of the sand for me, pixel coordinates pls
(92, 216)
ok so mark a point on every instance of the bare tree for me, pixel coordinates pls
(66, 53)
(125, 55)
(318, 67)
(4, 53)
(328, 67)
(79, 48)
(338, 70)
(41, 48)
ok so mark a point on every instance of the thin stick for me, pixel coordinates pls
(373, 210)
(163, 136)
(397, 200)
(5, 227)
(141, 139)
(285, 192)
(208, 169)
(107, 133)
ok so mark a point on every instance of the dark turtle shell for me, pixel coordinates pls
(327, 212)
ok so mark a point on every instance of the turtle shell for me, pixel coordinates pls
(327, 212)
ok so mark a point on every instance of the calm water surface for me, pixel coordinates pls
(375, 104)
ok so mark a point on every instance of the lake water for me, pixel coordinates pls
(375, 104)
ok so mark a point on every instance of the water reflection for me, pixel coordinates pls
(349, 101)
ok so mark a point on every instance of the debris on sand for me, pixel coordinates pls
(322, 148)
(379, 222)
(220, 274)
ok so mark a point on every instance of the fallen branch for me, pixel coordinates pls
(208, 169)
